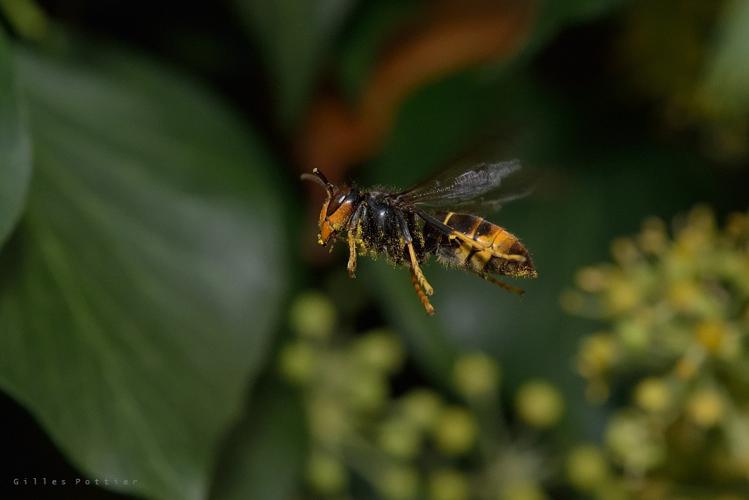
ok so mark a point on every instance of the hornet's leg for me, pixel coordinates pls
(353, 228)
(422, 296)
(351, 267)
(502, 284)
(480, 246)
(423, 283)
(420, 278)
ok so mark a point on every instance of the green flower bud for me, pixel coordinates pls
(687, 366)
(448, 484)
(684, 295)
(613, 490)
(731, 347)
(653, 238)
(325, 473)
(592, 279)
(711, 335)
(476, 376)
(634, 334)
(630, 440)
(597, 355)
(587, 467)
(539, 404)
(328, 420)
(379, 350)
(297, 362)
(455, 431)
(523, 490)
(399, 438)
(706, 407)
(622, 295)
(312, 315)
(653, 395)
(421, 407)
(399, 483)
(624, 251)
(367, 389)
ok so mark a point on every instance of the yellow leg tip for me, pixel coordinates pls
(422, 296)
(351, 267)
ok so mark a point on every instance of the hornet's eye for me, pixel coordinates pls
(336, 203)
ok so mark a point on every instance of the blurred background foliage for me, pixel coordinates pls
(166, 317)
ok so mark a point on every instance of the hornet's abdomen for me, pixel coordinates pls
(496, 240)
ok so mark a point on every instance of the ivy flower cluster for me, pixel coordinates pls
(673, 360)
(419, 443)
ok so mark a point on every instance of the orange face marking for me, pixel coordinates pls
(330, 224)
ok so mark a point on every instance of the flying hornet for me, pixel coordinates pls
(436, 217)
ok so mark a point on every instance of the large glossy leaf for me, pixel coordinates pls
(137, 300)
(294, 37)
(15, 151)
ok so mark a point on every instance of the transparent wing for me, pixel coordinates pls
(481, 187)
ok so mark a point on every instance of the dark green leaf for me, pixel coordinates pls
(137, 301)
(264, 455)
(15, 151)
(294, 37)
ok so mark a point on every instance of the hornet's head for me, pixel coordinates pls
(337, 209)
